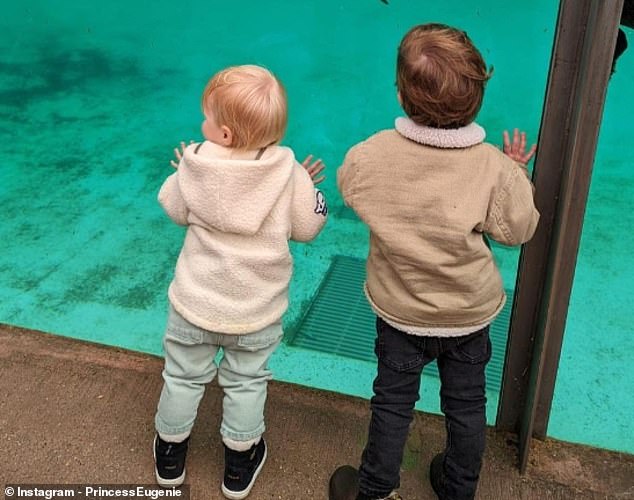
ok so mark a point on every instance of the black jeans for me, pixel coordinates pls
(401, 358)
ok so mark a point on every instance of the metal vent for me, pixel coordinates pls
(340, 321)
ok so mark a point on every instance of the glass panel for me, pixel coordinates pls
(95, 95)
(593, 401)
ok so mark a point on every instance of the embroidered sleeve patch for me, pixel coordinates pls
(320, 207)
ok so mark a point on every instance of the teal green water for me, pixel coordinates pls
(94, 96)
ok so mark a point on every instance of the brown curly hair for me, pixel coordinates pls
(440, 76)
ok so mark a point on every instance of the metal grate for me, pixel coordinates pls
(340, 321)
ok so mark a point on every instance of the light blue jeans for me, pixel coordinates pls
(190, 364)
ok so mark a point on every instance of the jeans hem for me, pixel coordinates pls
(171, 430)
(242, 436)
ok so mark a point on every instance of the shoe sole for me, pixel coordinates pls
(166, 483)
(239, 495)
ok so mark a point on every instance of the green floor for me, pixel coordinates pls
(94, 96)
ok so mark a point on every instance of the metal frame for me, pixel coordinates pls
(579, 72)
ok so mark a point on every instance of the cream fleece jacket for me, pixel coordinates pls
(428, 197)
(233, 271)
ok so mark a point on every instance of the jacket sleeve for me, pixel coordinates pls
(512, 217)
(346, 175)
(172, 201)
(309, 209)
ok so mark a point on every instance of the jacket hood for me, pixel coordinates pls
(234, 195)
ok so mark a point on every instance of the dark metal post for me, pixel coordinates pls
(579, 73)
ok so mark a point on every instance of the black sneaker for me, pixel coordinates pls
(169, 462)
(344, 485)
(436, 475)
(242, 469)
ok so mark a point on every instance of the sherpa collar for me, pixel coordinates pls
(463, 137)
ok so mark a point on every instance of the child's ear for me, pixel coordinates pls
(398, 96)
(227, 136)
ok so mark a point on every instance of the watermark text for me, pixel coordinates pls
(93, 491)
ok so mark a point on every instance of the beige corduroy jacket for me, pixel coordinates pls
(233, 271)
(428, 197)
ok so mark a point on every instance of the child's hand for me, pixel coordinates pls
(314, 169)
(179, 154)
(517, 150)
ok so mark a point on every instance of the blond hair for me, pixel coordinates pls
(251, 102)
(440, 76)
